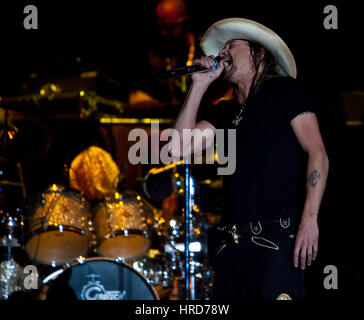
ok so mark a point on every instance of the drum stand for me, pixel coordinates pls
(10, 271)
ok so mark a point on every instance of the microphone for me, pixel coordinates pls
(192, 69)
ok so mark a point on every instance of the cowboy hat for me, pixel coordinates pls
(224, 30)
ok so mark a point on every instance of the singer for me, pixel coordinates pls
(270, 230)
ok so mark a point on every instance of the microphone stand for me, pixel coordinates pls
(189, 264)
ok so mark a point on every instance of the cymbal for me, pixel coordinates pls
(23, 137)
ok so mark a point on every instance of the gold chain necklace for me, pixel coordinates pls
(239, 117)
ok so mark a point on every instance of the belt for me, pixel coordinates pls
(235, 231)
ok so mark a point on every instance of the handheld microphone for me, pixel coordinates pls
(192, 69)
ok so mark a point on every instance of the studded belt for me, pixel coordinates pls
(235, 231)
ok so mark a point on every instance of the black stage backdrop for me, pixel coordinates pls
(112, 36)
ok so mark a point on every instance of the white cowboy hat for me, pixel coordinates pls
(224, 30)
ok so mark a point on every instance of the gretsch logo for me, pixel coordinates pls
(94, 290)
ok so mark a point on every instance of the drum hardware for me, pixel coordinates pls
(11, 183)
(11, 277)
(155, 268)
(159, 183)
(181, 232)
(11, 272)
(179, 184)
(9, 224)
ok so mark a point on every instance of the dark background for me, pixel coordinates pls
(110, 36)
(113, 35)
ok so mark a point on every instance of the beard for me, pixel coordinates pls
(227, 76)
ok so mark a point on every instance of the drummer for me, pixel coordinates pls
(173, 46)
(94, 173)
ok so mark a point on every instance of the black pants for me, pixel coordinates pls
(260, 267)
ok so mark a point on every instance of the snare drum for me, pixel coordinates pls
(121, 227)
(97, 279)
(59, 230)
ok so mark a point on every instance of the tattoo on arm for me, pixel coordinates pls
(313, 178)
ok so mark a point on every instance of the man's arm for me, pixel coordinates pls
(187, 116)
(306, 129)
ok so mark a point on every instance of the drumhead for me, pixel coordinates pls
(97, 279)
(57, 248)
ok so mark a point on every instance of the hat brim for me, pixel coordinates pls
(224, 30)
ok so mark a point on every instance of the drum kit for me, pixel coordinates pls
(120, 248)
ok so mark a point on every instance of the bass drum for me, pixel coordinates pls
(97, 279)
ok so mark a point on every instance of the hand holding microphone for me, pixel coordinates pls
(205, 64)
(215, 67)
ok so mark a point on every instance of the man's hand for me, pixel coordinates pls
(206, 78)
(306, 244)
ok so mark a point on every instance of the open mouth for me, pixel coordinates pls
(228, 63)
